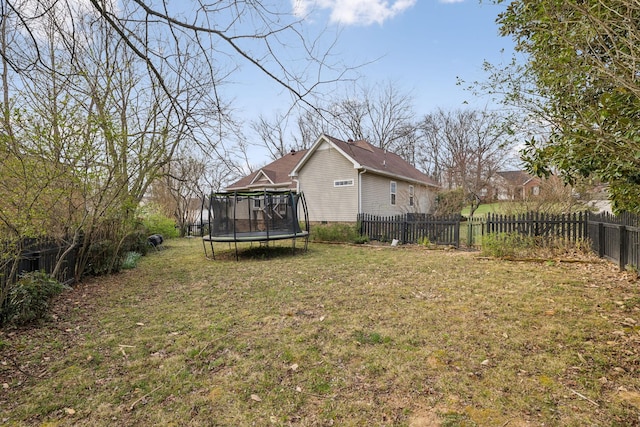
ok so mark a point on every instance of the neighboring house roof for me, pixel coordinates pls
(365, 156)
(273, 175)
(516, 177)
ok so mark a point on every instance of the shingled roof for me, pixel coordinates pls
(518, 177)
(363, 155)
(273, 175)
(373, 159)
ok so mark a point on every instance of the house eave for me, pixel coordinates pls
(398, 177)
(260, 186)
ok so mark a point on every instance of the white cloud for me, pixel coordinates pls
(354, 12)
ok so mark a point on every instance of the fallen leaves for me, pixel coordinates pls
(630, 397)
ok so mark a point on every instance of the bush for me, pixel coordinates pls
(450, 202)
(516, 245)
(504, 245)
(337, 233)
(130, 260)
(101, 258)
(136, 242)
(156, 223)
(28, 299)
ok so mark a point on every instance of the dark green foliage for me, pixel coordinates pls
(580, 78)
(345, 233)
(103, 258)
(137, 241)
(28, 299)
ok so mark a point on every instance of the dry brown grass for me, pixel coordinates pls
(340, 335)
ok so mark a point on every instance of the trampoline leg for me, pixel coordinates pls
(236, 245)
(206, 254)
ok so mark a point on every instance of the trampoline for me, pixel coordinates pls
(254, 216)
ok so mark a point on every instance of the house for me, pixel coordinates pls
(274, 176)
(342, 179)
(515, 185)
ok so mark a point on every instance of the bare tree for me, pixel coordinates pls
(244, 32)
(464, 149)
(382, 115)
(100, 96)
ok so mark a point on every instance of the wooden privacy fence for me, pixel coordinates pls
(41, 256)
(572, 227)
(412, 228)
(616, 238)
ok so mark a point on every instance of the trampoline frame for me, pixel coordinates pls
(296, 231)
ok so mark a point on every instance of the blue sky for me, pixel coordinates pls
(422, 46)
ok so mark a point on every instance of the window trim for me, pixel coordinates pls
(343, 183)
(393, 190)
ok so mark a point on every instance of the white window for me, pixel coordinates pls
(411, 195)
(536, 191)
(256, 204)
(392, 189)
(343, 183)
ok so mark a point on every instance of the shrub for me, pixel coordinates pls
(29, 297)
(157, 223)
(130, 260)
(103, 259)
(450, 202)
(516, 245)
(504, 245)
(136, 242)
(337, 233)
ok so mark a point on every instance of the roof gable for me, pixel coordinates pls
(275, 173)
(518, 177)
(372, 159)
(264, 176)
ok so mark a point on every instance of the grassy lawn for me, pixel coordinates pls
(486, 208)
(340, 335)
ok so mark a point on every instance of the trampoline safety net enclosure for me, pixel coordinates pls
(259, 216)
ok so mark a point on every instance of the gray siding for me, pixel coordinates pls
(376, 196)
(326, 202)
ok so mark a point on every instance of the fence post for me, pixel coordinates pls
(601, 239)
(405, 229)
(585, 227)
(624, 247)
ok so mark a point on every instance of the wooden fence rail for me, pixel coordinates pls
(412, 228)
(41, 256)
(572, 227)
(616, 238)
